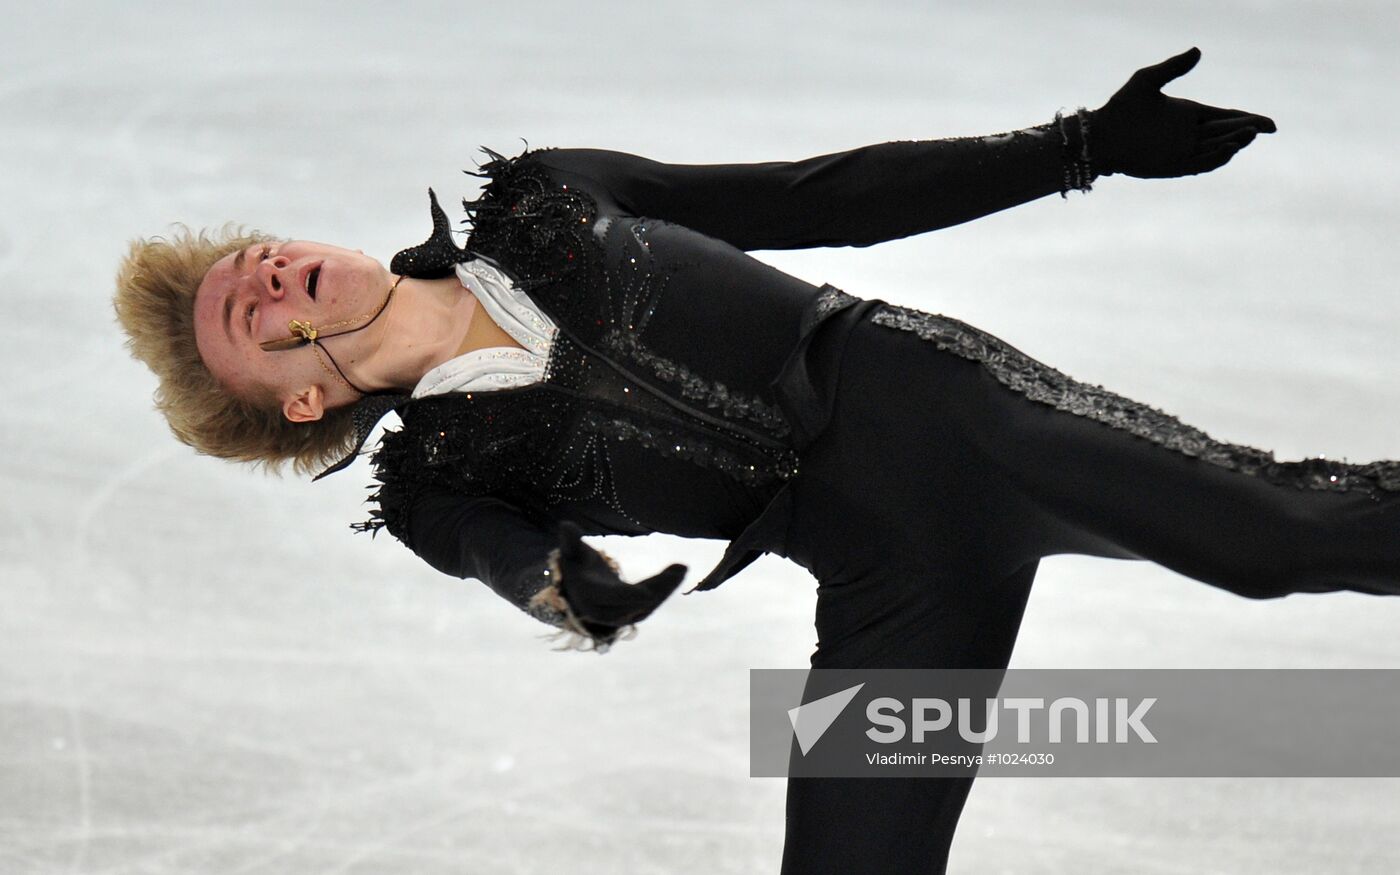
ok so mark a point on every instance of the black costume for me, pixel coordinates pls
(697, 391)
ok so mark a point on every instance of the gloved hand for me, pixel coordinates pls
(1141, 132)
(598, 598)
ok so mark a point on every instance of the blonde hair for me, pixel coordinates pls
(156, 287)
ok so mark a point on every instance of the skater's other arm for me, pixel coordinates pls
(891, 190)
(545, 570)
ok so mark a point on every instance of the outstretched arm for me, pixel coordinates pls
(858, 197)
(548, 572)
(886, 191)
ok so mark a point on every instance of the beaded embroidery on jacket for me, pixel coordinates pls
(546, 444)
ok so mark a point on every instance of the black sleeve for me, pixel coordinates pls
(855, 198)
(487, 539)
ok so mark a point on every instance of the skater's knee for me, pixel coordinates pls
(1284, 569)
(1264, 569)
(1262, 590)
(1255, 583)
(1292, 548)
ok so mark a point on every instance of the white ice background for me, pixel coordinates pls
(202, 670)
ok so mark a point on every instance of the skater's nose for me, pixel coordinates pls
(272, 276)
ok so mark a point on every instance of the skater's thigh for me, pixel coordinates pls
(893, 466)
(1036, 464)
(925, 455)
(906, 583)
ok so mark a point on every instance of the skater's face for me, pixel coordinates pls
(248, 298)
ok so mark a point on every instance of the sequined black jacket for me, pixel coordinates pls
(676, 396)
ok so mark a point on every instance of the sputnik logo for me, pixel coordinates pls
(812, 720)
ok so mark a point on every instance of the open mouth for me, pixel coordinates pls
(312, 277)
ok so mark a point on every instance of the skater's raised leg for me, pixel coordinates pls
(1118, 478)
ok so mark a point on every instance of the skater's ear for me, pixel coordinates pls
(307, 405)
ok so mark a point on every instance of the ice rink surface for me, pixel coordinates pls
(202, 670)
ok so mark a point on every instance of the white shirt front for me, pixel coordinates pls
(497, 367)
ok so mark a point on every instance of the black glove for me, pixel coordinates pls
(598, 598)
(1141, 132)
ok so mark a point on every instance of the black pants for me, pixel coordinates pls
(925, 506)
